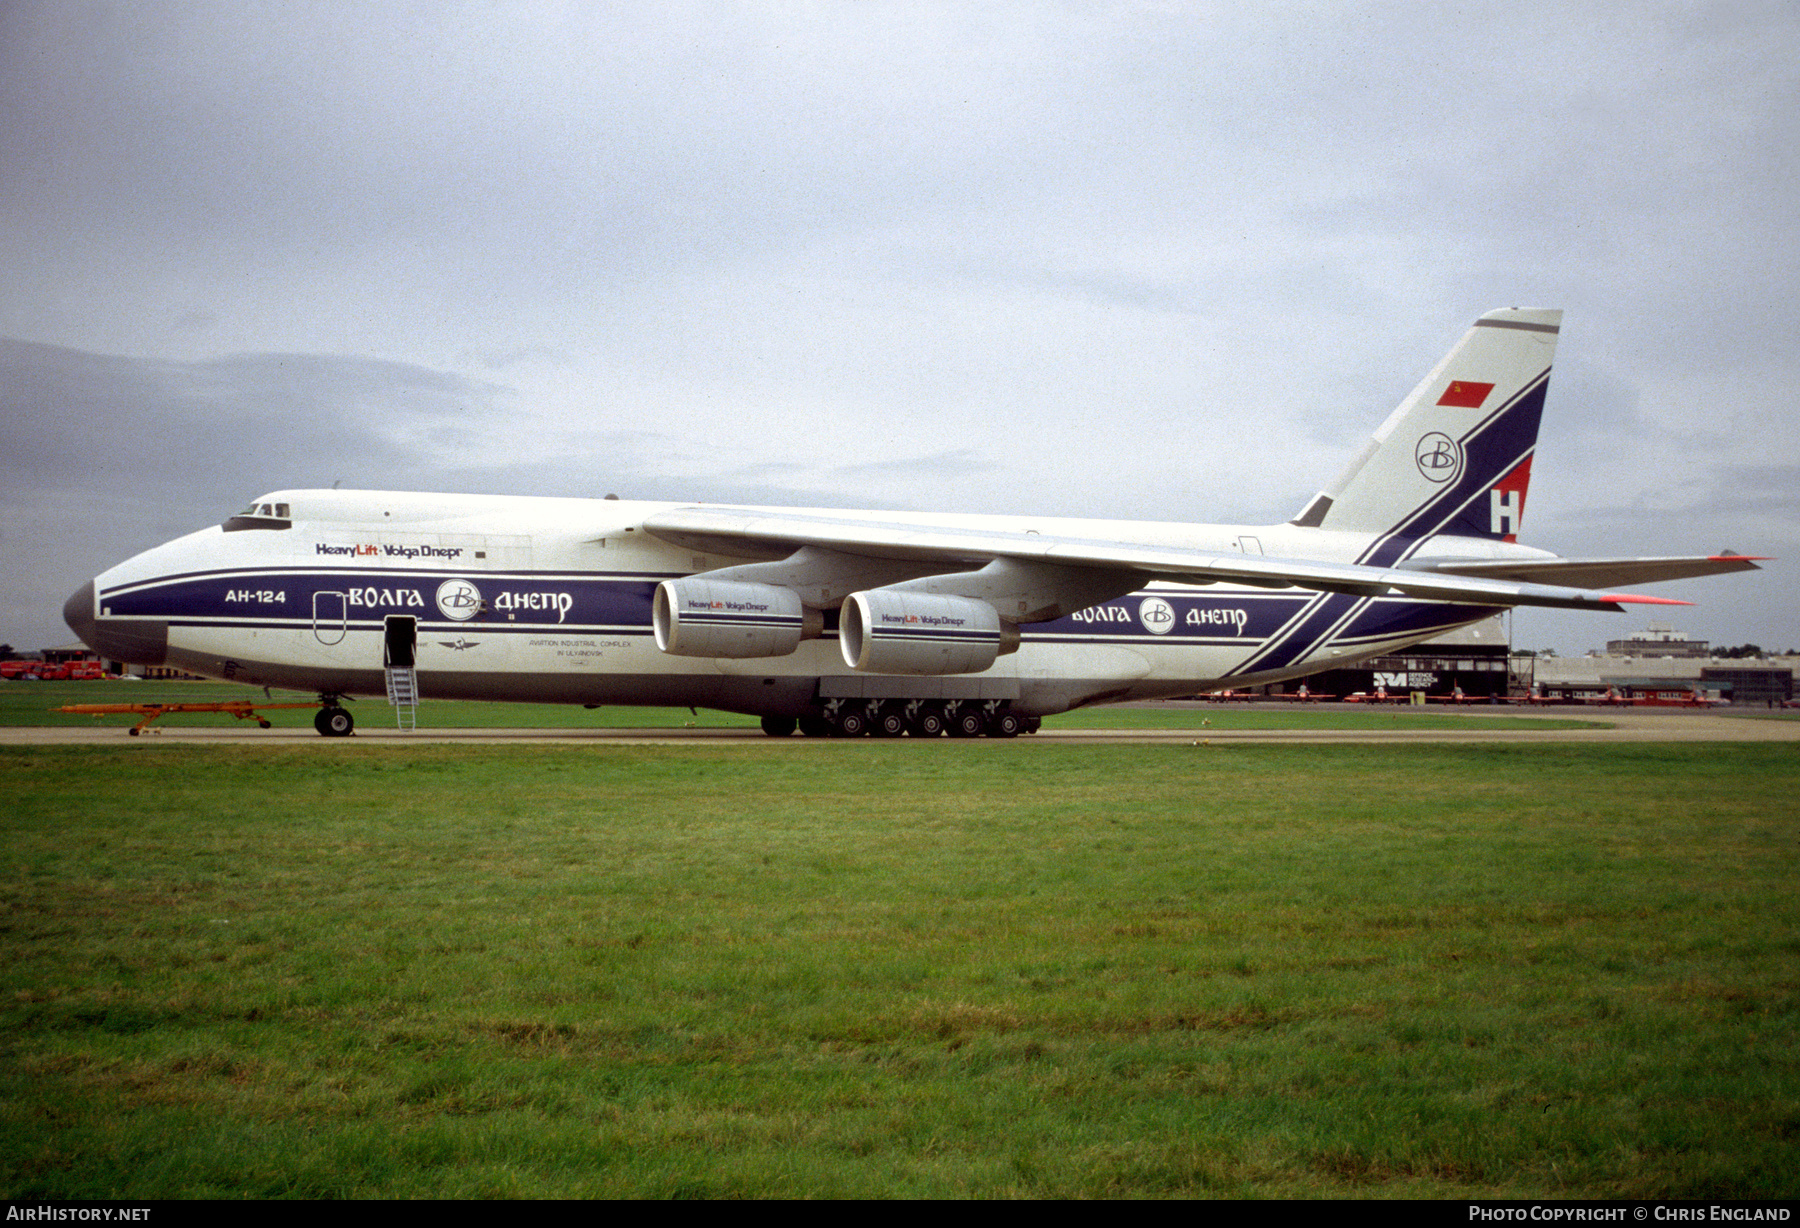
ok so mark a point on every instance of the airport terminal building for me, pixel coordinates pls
(1656, 665)
(1745, 683)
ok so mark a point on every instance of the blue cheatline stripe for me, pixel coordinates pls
(1369, 620)
(1295, 624)
(1332, 612)
(397, 574)
(1145, 639)
(588, 601)
(435, 627)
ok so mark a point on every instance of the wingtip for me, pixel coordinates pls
(1640, 599)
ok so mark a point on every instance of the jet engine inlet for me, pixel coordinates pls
(696, 617)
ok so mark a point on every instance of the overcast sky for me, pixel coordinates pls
(1158, 260)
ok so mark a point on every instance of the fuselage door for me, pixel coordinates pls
(331, 617)
(400, 642)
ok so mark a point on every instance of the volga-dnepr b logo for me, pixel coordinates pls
(1157, 615)
(458, 600)
(1439, 457)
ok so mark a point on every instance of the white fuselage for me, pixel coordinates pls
(549, 600)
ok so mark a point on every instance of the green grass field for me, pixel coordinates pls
(1025, 969)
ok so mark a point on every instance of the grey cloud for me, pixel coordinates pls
(102, 455)
(161, 427)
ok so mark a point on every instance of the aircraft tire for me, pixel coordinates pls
(852, 724)
(1033, 724)
(816, 727)
(779, 726)
(968, 724)
(334, 722)
(1005, 725)
(929, 723)
(888, 725)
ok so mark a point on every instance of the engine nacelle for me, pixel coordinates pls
(895, 631)
(697, 617)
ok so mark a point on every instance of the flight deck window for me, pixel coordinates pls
(260, 516)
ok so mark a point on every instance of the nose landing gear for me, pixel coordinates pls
(333, 720)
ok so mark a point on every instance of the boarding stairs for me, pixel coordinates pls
(403, 693)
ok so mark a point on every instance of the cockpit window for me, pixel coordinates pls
(260, 515)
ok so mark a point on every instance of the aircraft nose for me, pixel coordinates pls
(140, 641)
(78, 612)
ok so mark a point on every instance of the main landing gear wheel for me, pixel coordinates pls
(929, 723)
(816, 727)
(1005, 725)
(778, 726)
(334, 722)
(889, 723)
(969, 723)
(852, 724)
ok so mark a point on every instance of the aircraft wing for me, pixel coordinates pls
(770, 533)
(1583, 572)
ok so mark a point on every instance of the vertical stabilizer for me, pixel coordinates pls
(1455, 457)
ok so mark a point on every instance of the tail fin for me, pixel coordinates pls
(1455, 457)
